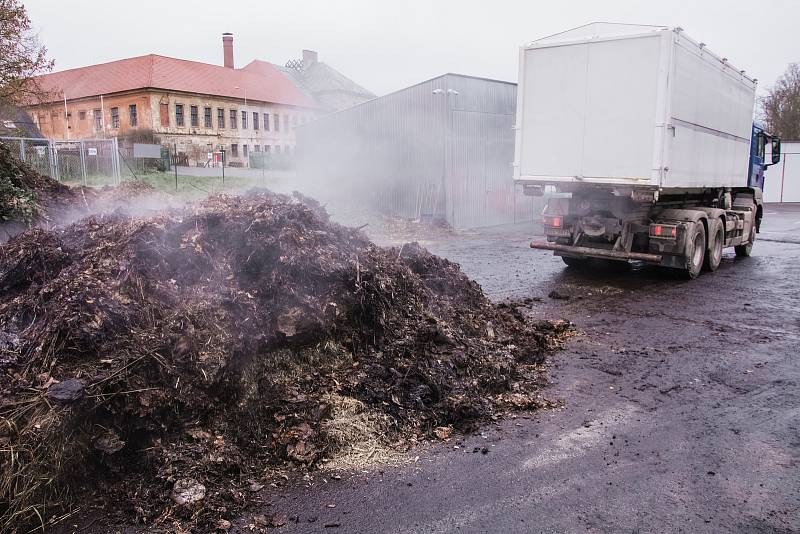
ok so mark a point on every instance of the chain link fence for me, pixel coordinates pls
(93, 162)
(271, 161)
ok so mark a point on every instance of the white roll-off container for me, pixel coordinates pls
(642, 106)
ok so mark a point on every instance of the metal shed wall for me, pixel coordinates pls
(479, 172)
(423, 152)
(388, 152)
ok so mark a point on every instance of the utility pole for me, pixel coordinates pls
(102, 116)
(66, 117)
(245, 94)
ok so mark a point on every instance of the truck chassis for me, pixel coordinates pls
(685, 230)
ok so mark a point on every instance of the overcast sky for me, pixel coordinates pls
(386, 46)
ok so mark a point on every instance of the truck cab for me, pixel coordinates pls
(762, 145)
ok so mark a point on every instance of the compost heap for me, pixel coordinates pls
(26, 196)
(196, 348)
(29, 199)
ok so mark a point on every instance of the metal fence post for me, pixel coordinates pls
(22, 149)
(223, 165)
(82, 153)
(117, 167)
(52, 156)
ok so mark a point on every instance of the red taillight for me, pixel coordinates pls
(664, 230)
(555, 222)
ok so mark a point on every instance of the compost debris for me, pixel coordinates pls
(29, 199)
(160, 366)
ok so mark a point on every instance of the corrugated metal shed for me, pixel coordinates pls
(441, 149)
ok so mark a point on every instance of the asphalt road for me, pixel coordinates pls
(681, 408)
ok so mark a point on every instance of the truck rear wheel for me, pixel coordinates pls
(714, 252)
(695, 251)
(743, 251)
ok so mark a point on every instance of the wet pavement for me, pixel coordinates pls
(681, 408)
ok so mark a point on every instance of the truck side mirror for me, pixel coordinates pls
(776, 150)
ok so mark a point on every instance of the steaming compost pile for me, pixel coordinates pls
(29, 199)
(26, 196)
(164, 363)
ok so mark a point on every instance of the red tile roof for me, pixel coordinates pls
(263, 82)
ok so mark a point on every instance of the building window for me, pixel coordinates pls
(244, 150)
(235, 150)
(266, 122)
(233, 119)
(132, 114)
(257, 148)
(277, 149)
(267, 148)
(193, 117)
(276, 121)
(164, 112)
(179, 114)
(82, 115)
(98, 119)
(207, 117)
(115, 117)
(285, 123)
(255, 120)
(244, 120)
(220, 118)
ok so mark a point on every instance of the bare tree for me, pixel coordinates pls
(22, 57)
(781, 107)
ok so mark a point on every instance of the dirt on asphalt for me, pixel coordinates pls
(681, 409)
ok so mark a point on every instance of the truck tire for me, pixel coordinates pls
(572, 261)
(614, 266)
(695, 252)
(716, 238)
(744, 251)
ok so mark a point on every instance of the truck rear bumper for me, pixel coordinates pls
(597, 252)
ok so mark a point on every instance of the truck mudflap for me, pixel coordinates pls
(597, 252)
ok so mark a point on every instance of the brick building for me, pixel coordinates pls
(198, 107)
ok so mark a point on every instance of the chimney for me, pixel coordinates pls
(227, 49)
(309, 58)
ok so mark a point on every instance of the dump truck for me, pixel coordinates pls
(644, 141)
